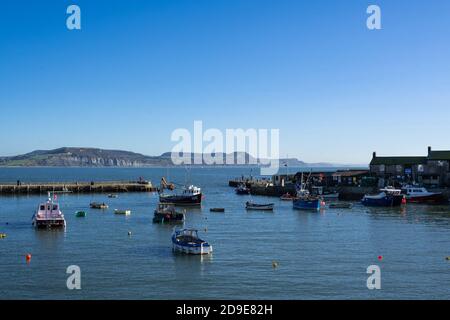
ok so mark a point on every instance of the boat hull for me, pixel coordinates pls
(170, 219)
(387, 201)
(194, 250)
(181, 200)
(307, 204)
(49, 223)
(437, 198)
(259, 207)
(330, 196)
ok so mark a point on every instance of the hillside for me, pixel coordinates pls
(94, 157)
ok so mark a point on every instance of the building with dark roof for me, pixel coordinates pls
(432, 169)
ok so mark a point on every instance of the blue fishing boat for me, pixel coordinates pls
(307, 203)
(386, 198)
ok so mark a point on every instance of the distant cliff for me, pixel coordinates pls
(92, 157)
(83, 157)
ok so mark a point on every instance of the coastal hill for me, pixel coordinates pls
(94, 157)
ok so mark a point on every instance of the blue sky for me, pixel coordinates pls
(140, 69)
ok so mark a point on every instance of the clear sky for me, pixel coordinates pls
(140, 69)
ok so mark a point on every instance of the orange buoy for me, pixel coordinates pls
(28, 257)
(404, 200)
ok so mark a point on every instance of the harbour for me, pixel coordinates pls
(278, 254)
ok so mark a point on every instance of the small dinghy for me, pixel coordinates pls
(80, 214)
(217, 210)
(187, 241)
(256, 206)
(242, 189)
(288, 197)
(96, 205)
(166, 213)
(124, 212)
(338, 205)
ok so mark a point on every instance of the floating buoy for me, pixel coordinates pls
(2, 235)
(380, 258)
(28, 258)
(274, 264)
(447, 258)
(129, 233)
(403, 200)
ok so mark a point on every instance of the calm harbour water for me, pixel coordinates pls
(320, 255)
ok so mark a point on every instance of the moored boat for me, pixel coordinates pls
(80, 214)
(340, 205)
(217, 209)
(97, 205)
(255, 206)
(49, 215)
(416, 194)
(190, 196)
(124, 212)
(320, 192)
(388, 197)
(288, 197)
(242, 189)
(166, 213)
(307, 203)
(187, 241)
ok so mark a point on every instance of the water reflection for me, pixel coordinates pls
(191, 264)
(51, 239)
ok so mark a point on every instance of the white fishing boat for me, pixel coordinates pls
(49, 215)
(415, 194)
(187, 241)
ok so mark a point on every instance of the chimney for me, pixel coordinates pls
(429, 150)
(374, 155)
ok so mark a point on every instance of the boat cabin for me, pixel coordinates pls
(391, 191)
(191, 190)
(188, 235)
(48, 210)
(414, 190)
